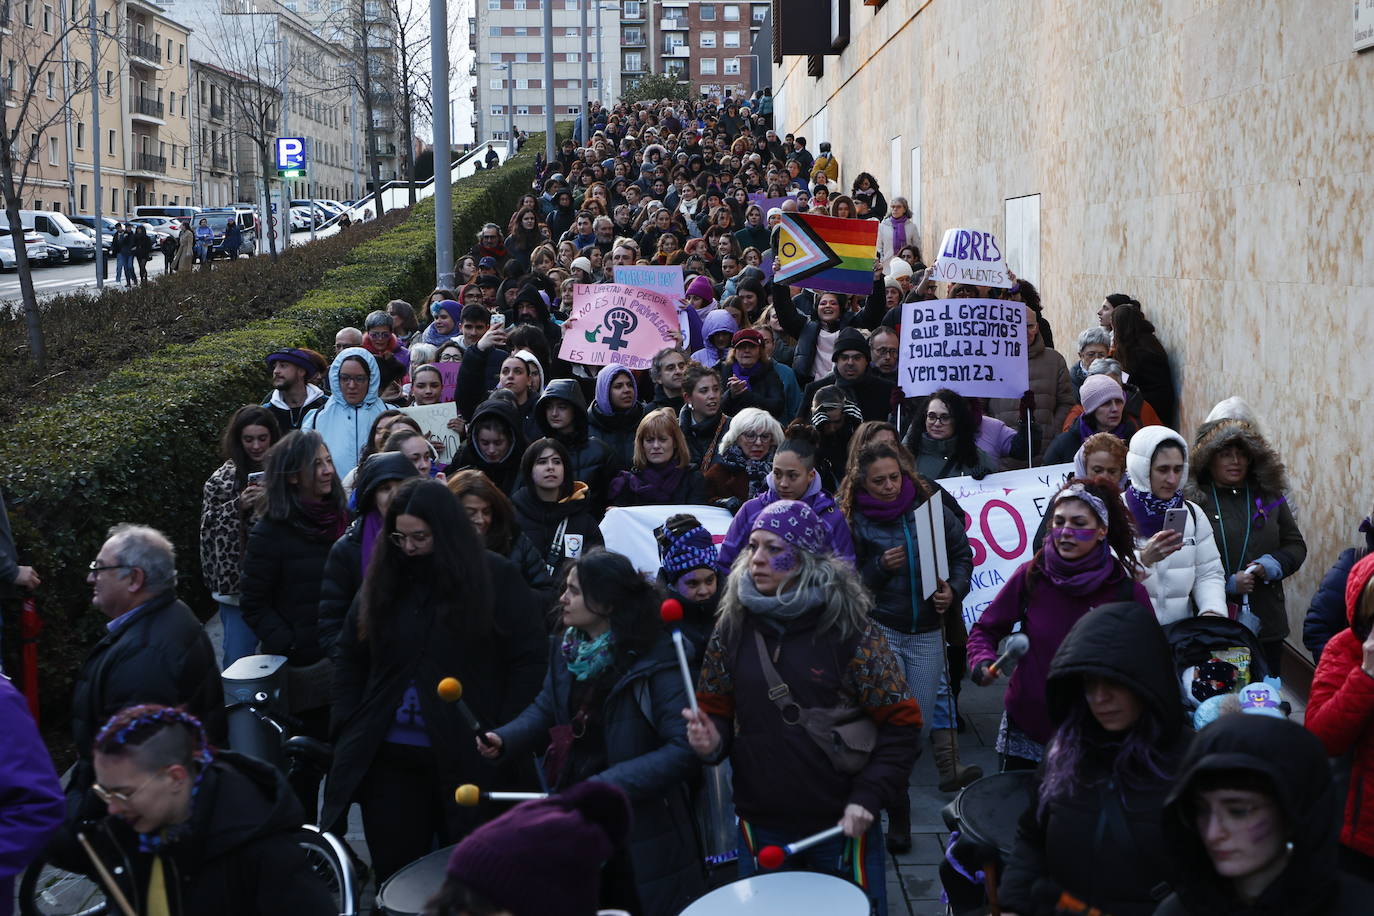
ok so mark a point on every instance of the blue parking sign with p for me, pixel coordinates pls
(290, 156)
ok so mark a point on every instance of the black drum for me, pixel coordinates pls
(985, 816)
(406, 892)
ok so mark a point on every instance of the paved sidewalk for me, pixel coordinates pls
(913, 879)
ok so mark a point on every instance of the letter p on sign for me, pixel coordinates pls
(290, 156)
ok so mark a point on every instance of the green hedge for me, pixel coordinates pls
(138, 446)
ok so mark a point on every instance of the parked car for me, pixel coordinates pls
(161, 225)
(174, 212)
(56, 229)
(86, 222)
(34, 245)
(219, 221)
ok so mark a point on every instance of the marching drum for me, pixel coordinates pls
(406, 892)
(783, 894)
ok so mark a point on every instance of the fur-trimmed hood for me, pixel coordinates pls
(1267, 472)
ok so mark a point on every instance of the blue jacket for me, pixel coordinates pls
(31, 805)
(343, 426)
(1327, 616)
(647, 757)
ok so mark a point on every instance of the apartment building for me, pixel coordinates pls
(707, 44)
(228, 164)
(507, 38)
(142, 78)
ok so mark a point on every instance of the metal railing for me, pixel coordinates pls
(147, 162)
(220, 160)
(142, 104)
(216, 111)
(148, 50)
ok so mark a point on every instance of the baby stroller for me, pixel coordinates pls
(1216, 657)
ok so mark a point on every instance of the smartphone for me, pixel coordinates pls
(255, 478)
(1175, 520)
(498, 321)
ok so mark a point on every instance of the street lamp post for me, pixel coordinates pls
(443, 147)
(549, 138)
(509, 69)
(584, 104)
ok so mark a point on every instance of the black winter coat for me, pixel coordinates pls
(240, 855)
(872, 394)
(343, 577)
(702, 438)
(617, 431)
(283, 567)
(540, 520)
(1102, 842)
(161, 655)
(648, 758)
(593, 460)
(897, 601)
(765, 392)
(1327, 614)
(500, 671)
(806, 331)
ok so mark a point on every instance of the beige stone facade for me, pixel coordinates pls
(1213, 159)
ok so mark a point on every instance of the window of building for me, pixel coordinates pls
(109, 82)
(522, 31)
(570, 33)
(28, 14)
(52, 92)
(169, 50)
(707, 12)
(574, 109)
(732, 66)
(493, 4)
(731, 39)
(181, 53)
(759, 14)
(520, 4)
(708, 39)
(81, 196)
(494, 31)
(634, 62)
(183, 106)
(171, 103)
(522, 109)
(47, 18)
(52, 151)
(109, 143)
(708, 66)
(81, 140)
(631, 9)
(498, 110)
(731, 12)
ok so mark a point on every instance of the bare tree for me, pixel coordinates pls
(26, 115)
(410, 35)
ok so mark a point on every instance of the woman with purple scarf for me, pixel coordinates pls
(1088, 560)
(662, 474)
(895, 231)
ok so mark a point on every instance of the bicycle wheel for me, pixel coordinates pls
(46, 890)
(326, 857)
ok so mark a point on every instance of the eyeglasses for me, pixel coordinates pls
(107, 796)
(352, 380)
(418, 538)
(451, 357)
(756, 437)
(937, 418)
(95, 566)
(885, 351)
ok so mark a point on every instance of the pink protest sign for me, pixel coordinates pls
(449, 373)
(613, 323)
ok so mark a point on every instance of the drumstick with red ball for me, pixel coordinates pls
(671, 612)
(450, 690)
(772, 856)
(469, 795)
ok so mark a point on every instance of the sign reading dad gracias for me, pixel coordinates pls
(613, 323)
(976, 347)
(971, 256)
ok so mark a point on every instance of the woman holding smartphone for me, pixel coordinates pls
(1174, 540)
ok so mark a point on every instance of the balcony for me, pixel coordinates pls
(145, 50)
(384, 126)
(147, 162)
(677, 51)
(270, 125)
(146, 106)
(632, 40)
(220, 161)
(634, 67)
(672, 25)
(216, 112)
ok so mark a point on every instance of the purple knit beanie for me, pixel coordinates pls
(544, 858)
(1098, 390)
(796, 523)
(687, 549)
(701, 286)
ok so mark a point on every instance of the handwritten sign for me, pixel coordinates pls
(1001, 515)
(433, 420)
(612, 323)
(971, 256)
(448, 371)
(976, 347)
(666, 279)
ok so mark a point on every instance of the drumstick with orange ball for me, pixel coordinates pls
(450, 690)
(772, 856)
(671, 612)
(469, 796)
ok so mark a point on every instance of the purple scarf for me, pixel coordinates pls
(323, 519)
(884, 512)
(372, 526)
(1079, 577)
(746, 374)
(654, 484)
(1085, 429)
(898, 234)
(1149, 509)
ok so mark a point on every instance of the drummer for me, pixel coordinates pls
(793, 614)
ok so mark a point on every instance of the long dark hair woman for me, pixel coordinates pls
(227, 502)
(1088, 560)
(491, 513)
(1119, 735)
(552, 507)
(610, 710)
(943, 437)
(1140, 353)
(427, 610)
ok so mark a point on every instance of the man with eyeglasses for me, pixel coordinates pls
(154, 651)
(852, 356)
(489, 245)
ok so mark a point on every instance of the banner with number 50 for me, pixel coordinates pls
(1001, 515)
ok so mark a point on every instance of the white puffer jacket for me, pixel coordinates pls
(1194, 571)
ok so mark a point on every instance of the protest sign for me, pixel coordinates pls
(631, 531)
(767, 203)
(448, 371)
(976, 347)
(1001, 515)
(666, 279)
(971, 256)
(611, 323)
(433, 420)
(928, 520)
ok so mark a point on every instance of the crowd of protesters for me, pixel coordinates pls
(340, 535)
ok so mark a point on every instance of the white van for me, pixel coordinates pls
(181, 213)
(56, 229)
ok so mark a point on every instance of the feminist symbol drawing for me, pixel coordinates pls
(619, 324)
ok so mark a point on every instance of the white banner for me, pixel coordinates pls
(1001, 515)
(631, 531)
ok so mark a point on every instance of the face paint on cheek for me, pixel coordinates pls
(786, 561)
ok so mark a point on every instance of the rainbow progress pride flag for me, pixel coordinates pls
(827, 253)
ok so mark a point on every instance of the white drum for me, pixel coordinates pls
(784, 893)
